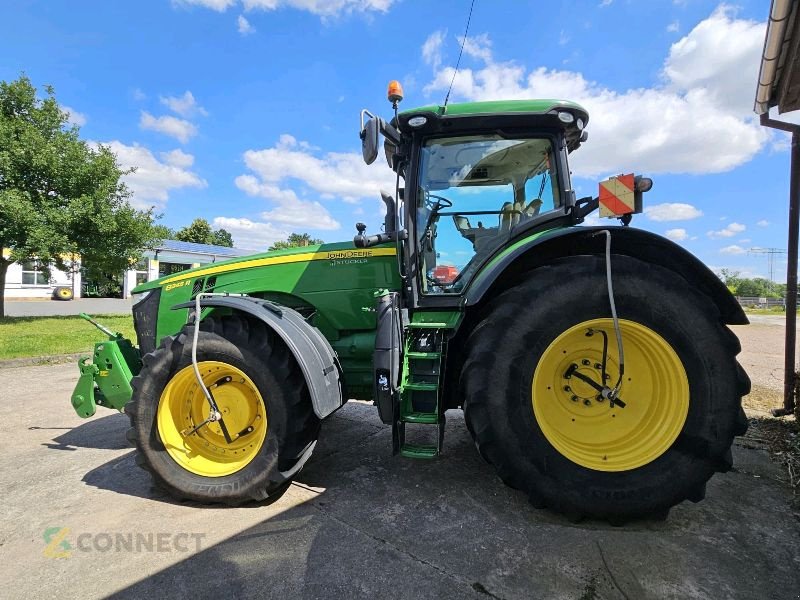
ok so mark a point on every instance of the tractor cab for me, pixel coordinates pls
(476, 176)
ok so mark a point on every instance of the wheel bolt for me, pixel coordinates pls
(598, 366)
(574, 398)
(599, 398)
(586, 362)
(587, 402)
(567, 388)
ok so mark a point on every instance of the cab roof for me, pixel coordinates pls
(497, 114)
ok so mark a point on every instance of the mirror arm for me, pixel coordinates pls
(367, 241)
(390, 132)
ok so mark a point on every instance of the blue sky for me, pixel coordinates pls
(245, 112)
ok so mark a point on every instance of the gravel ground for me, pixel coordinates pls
(762, 358)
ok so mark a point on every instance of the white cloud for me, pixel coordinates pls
(340, 175)
(745, 241)
(729, 231)
(153, 179)
(432, 49)
(218, 5)
(322, 8)
(672, 211)
(180, 129)
(563, 38)
(74, 117)
(178, 158)
(734, 249)
(478, 46)
(722, 56)
(675, 127)
(677, 235)
(185, 105)
(605, 3)
(251, 235)
(674, 27)
(302, 214)
(763, 223)
(244, 26)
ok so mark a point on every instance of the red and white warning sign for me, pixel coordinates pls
(617, 196)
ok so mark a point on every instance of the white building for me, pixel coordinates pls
(173, 256)
(26, 280)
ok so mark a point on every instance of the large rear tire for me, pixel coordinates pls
(549, 434)
(263, 399)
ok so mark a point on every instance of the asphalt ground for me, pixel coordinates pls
(52, 308)
(80, 520)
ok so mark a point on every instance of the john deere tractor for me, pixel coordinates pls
(593, 364)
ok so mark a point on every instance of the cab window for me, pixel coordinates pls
(473, 192)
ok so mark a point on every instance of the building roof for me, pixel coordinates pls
(191, 247)
(779, 77)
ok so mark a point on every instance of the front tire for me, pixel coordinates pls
(550, 435)
(263, 399)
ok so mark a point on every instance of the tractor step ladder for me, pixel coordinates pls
(420, 393)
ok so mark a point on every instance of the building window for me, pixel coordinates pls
(32, 273)
(142, 272)
(165, 268)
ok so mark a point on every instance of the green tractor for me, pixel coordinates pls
(593, 364)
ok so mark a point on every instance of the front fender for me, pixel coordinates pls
(309, 347)
(539, 249)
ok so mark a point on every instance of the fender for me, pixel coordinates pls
(541, 248)
(309, 347)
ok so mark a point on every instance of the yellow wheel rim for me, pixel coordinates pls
(590, 432)
(64, 293)
(183, 406)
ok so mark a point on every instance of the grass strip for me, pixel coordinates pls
(22, 337)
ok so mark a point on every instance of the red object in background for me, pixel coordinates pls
(445, 274)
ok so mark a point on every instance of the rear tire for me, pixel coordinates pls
(506, 411)
(274, 382)
(63, 293)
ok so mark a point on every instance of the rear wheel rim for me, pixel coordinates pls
(183, 406)
(590, 432)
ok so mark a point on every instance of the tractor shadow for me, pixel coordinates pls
(104, 433)
(359, 523)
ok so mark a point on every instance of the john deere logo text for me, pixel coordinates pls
(340, 254)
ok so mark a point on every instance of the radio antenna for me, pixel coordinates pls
(460, 52)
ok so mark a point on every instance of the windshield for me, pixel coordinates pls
(473, 192)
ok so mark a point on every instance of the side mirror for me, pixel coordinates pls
(370, 132)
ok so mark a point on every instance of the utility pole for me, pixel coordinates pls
(771, 253)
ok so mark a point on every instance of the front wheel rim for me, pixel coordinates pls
(183, 405)
(590, 432)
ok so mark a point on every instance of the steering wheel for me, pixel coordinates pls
(441, 202)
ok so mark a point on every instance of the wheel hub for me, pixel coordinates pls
(194, 438)
(586, 427)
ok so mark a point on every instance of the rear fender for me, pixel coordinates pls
(507, 267)
(309, 347)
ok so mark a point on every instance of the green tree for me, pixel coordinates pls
(294, 240)
(201, 232)
(59, 197)
(162, 232)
